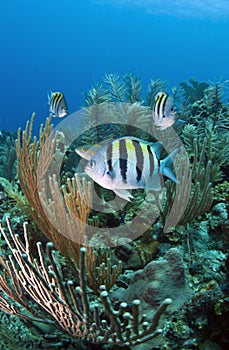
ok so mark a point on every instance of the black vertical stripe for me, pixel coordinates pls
(151, 161)
(158, 103)
(139, 158)
(163, 102)
(109, 156)
(55, 100)
(58, 102)
(123, 159)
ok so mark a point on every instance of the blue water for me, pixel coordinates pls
(68, 45)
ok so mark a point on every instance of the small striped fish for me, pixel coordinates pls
(58, 106)
(130, 163)
(164, 114)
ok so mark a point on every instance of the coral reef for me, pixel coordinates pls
(194, 90)
(166, 289)
(155, 281)
(70, 305)
(7, 155)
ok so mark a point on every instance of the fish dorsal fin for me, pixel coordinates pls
(156, 147)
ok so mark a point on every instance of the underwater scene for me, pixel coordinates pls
(114, 175)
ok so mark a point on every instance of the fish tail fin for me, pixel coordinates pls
(166, 166)
(50, 93)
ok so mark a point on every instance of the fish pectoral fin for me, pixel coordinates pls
(124, 194)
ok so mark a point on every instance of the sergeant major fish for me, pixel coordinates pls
(164, 114)
(58, 105)
(130, 163)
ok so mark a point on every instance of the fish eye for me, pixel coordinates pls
(92, 164)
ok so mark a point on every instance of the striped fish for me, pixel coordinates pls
(130, 163)
(58, 106)
(164, 114)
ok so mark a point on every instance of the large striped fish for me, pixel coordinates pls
(129, 163)
(164, 114)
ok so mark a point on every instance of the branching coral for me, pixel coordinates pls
(100, 270)
(194, 90)
(125, 88)
(60, 212)
(209, 118)
(24, 279)
(194, 192)
(215, 147)
(34, 160)
(116, 87)
(18, 202)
